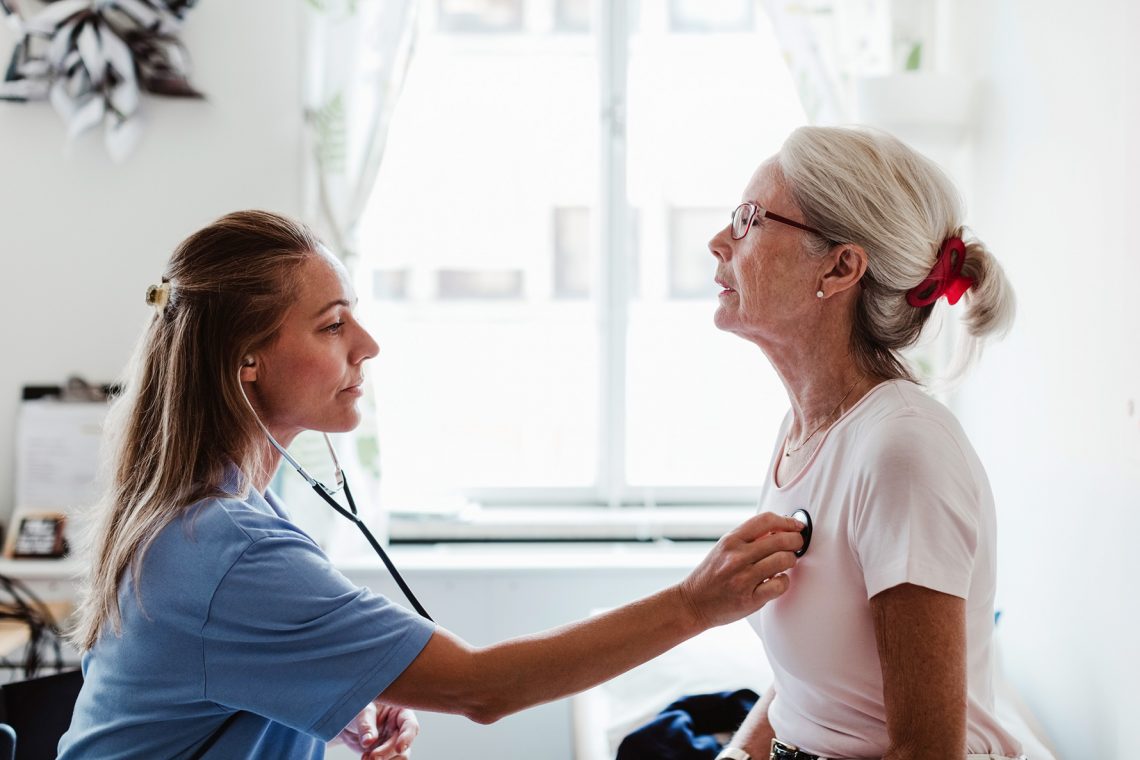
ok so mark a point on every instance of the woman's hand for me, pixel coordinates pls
(381, 732)
(744, 571)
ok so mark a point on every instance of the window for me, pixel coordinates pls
(480, 16)
(479, 283)
(688, 256)
(709, 16)
(572, 15)
(537, 252)
(572, 264)
(390, 284)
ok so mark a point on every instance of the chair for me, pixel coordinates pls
(35, 714)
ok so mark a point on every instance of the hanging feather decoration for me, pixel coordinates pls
(91, 59)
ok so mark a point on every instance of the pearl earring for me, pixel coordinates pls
(819, 294)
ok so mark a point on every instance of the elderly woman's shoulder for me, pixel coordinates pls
(903, 419)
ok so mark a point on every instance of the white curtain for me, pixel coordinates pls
(828, 44)
(356, 55)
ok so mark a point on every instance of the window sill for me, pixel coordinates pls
(549, 538)
(64, 569)
(447, 559)
(581, 524)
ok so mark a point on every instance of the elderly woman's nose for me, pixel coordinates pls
(718, 245)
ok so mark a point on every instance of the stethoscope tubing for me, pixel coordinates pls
(323, 493)
(351, 514)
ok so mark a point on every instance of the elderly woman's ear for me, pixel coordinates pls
(843, 267)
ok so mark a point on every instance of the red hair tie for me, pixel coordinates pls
(946, 278)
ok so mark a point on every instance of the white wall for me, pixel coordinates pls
(82, 237)
(1055, 195)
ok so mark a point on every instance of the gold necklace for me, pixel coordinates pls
(788, 452)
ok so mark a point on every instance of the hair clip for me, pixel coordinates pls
(945, 279)
(157, 296)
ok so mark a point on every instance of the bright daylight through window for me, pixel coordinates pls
(535, 263)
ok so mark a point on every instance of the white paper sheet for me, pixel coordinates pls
(57, 454)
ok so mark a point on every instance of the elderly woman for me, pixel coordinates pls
(833, 263)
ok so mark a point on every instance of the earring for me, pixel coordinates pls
(819, 294)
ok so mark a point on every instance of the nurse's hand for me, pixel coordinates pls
(381, 732)
(744, 571)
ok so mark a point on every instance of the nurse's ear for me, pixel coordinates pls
(248, 369)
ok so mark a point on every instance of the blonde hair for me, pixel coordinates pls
(866, 187)
(182, 419)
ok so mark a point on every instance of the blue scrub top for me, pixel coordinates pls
(248, 644)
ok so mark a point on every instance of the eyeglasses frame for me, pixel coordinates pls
(756, 210)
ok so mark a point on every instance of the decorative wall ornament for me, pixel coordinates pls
(91, 59)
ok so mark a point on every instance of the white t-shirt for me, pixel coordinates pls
(896, 495)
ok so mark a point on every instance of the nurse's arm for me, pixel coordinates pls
(741, 573)
(921, 637)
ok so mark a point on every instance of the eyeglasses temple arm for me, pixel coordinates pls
(786, 220)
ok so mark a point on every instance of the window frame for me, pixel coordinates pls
(612, 278)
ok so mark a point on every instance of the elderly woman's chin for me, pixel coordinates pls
(721, 319)
(726, 318)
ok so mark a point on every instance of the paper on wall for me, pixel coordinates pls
(57, 454)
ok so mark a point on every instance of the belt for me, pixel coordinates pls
(784, 751)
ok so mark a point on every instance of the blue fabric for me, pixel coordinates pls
(248, 644)
(685, 729)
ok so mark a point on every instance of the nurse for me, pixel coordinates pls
(213, 627)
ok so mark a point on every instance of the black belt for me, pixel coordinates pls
(784, 751)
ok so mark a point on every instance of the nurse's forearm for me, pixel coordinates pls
(535, 669)
(489, 683)
(746, 569)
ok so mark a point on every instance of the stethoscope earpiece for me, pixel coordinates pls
(803, 516)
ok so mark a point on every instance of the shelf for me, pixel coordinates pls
(42, 569)
(528, 558)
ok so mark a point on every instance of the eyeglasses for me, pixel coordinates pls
(748, 212)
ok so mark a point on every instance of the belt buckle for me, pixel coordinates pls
(783, 750)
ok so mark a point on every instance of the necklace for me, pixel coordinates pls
(788, 452)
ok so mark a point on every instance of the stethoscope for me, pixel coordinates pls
(350, 513)
(803, 516)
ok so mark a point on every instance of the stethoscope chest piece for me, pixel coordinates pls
(803, 516)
